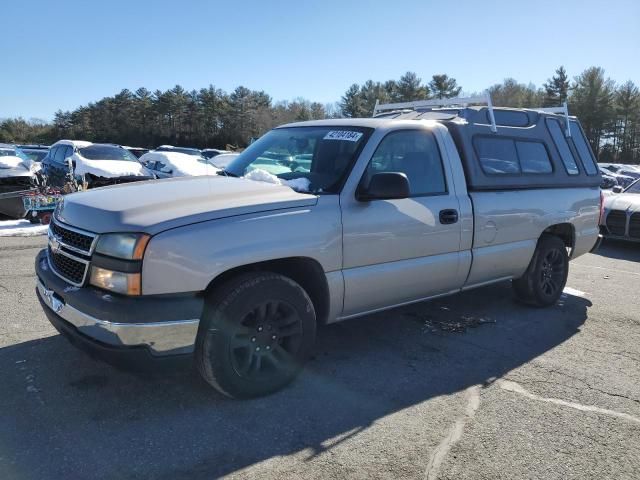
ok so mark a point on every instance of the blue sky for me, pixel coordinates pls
(63, 54)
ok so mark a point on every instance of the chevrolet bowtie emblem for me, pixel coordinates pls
(54, 244)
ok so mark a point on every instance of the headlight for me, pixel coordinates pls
(119, 282)
(128, 246)
(119, 269)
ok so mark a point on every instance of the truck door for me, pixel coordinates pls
(398, 251)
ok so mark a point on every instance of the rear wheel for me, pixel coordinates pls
(546, 276)
(257, 332)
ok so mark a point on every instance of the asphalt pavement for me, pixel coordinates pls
(473, 386)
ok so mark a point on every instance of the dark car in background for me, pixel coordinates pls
(93, 164)
(19, 175)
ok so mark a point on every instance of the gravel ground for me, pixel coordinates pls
(467, 387)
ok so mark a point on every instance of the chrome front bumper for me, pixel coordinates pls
(161, 338)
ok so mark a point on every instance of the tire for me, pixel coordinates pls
(545, 278)
(256, 333)
(45, 218)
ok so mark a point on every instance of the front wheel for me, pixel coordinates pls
(545, 278)
(257, 332)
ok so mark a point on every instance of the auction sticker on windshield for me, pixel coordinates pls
(343, 135)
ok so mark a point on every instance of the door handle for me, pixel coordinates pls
(448, 216)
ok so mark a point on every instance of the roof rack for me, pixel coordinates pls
(440, 103)
(561, 110)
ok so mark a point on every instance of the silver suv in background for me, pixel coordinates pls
(236, 271)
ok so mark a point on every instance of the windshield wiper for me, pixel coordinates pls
(227, 173)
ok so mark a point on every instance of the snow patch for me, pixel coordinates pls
(260, 175)
(107, 168)
(180, 164)
(21, 228)
(573, 291)
(298, 184)
(11, 166)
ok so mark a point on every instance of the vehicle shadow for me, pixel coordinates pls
(619, 250)
(64, 415)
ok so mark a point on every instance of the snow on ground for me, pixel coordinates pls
(21, 228)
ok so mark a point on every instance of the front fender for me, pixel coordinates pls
(186, 259)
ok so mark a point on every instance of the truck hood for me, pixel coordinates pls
(155, 206)
(623, 201)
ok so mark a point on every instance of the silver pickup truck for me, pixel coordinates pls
(318, 222)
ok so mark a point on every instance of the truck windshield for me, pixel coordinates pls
(315, 159)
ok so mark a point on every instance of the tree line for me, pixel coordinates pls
(210, 117)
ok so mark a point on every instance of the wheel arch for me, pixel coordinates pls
(565, 231)
(305, 271)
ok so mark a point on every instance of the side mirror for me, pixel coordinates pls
(617, 189)
(385, 186)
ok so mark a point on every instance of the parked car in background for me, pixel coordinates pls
(239, 273)
(18, 174)
(212, 152)
(137, 151)
(223, 160)
(94, 164)
(608, 180)
(35, 152)
(621, 217)
(186, 150)
(166, 164)
(631, 171)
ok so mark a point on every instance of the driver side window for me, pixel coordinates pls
(414, 153)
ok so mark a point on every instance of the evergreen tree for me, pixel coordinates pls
(352, 105)
(410, 88)
(591, 101)
(210, 117)
(556, 90)
(627, 105)
(443, 86)
(510, 93)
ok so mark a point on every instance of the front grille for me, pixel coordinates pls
(68, 268)
(70, 252)
(72, 238)
(634, 225)
(617, 222)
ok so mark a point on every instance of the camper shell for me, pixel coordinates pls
(571, 162)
